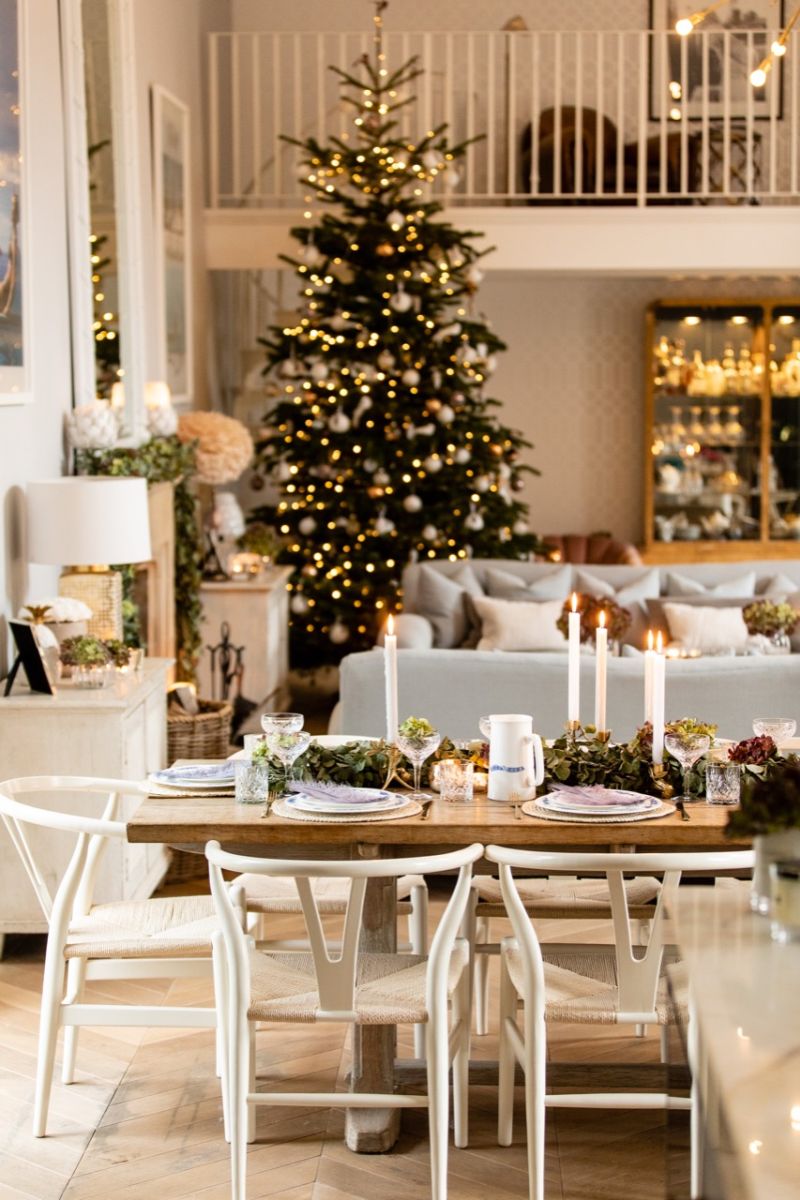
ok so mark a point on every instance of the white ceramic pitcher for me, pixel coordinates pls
(516, 761)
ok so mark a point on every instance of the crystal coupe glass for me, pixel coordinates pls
(417, 749)
(687, 748)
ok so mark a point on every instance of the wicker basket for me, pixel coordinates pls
(206, 735)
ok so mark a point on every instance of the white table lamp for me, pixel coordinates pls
(84, 523)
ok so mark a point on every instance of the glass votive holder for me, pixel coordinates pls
(456, 780)
(253, 740)
(784, 876)
(251, 780)
(723, 782)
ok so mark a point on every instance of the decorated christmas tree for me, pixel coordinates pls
(381, 440)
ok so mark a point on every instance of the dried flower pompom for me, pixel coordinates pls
(224, 446)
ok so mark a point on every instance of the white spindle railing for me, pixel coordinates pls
(603, 117)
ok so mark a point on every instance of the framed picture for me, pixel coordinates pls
(739, 34)
(29, 657)
(15, 324)
(171, 182)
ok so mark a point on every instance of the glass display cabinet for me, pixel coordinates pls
(722, 476)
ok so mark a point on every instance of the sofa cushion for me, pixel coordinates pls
(706, 627)
(657, 618)
(633, 596)
(777, 587)
(441, 600)
(555, 585)
(519, 625)
(738, 588)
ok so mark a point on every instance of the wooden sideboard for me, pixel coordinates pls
(118, 732)
(257, 614)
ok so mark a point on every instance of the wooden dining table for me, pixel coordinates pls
(189, 823)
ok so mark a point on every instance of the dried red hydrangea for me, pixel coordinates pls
(754, 751)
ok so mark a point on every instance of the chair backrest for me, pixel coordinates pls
(637, 973)
(74, 891)
(336, 976)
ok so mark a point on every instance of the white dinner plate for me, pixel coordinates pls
(311, 804)
(563, 802)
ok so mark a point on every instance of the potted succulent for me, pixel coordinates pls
(770, 624)
(88, 660)
(769, 812)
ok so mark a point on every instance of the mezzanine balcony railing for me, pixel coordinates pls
(586, 117)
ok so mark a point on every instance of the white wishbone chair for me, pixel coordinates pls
(353, 987)
(618, 985)
(148, 939)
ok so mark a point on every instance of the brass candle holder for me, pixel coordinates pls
(573, 729)
(664, 788)
(603, 735)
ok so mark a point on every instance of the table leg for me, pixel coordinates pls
(375, 1130)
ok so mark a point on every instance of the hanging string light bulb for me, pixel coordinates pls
(685, 25)
(758, 77)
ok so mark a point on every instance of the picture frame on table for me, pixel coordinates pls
(742, 33)
(172, 236)
(29, 657)
(16, 379)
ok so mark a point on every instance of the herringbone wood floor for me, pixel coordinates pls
(143, 1119)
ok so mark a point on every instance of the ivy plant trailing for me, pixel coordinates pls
(163, 460)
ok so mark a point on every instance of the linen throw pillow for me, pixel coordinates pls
(519, 624)
(657, 617)
(737, 589)
(777, 588)
(440, 598)
(553, 585)
(706, 628)
(633, 596)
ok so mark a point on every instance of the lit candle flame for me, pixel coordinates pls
(650, 639)
(574, 601)
(390, 625)
(601, 620)
(660, 643)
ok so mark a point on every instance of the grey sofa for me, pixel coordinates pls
(454, 687)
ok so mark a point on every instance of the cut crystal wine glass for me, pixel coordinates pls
(687, 748)
(780, 729)
(417, 749)
(281, 722)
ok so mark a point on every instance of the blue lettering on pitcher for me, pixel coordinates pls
(508, 770)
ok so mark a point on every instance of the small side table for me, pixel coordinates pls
(257, 614)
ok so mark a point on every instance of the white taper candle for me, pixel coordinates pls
(574, 680)
(659, 689)
(649, 657)
(601, 672)
(390, 674)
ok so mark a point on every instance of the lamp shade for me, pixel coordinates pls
(88, 520)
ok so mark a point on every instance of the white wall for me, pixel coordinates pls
(31, 437)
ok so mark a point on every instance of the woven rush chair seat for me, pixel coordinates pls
(390, 988)
(170, 928)
(581, 988)
(567, 898)
(266, 894)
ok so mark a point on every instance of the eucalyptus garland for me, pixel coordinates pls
(163, 460)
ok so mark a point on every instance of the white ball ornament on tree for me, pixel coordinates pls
(521, 527)
(307, 525)
(410, 377)
(299, 604)
(395, 220)
(412, 503)
(504, 470)
(338, 633)
(474, 275)
(370, 465)
(482, 483)
(433, 464)
(339, 422)
(432, 159)
(282, 473)
(446, 415)
(311, 256)
(401, 301)
(288, 368)
(382, 478)
(383, 524)
(430, 533)
(319, 371)
(504, 534)
(386, 360)
(473, 521)
(463, 455)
